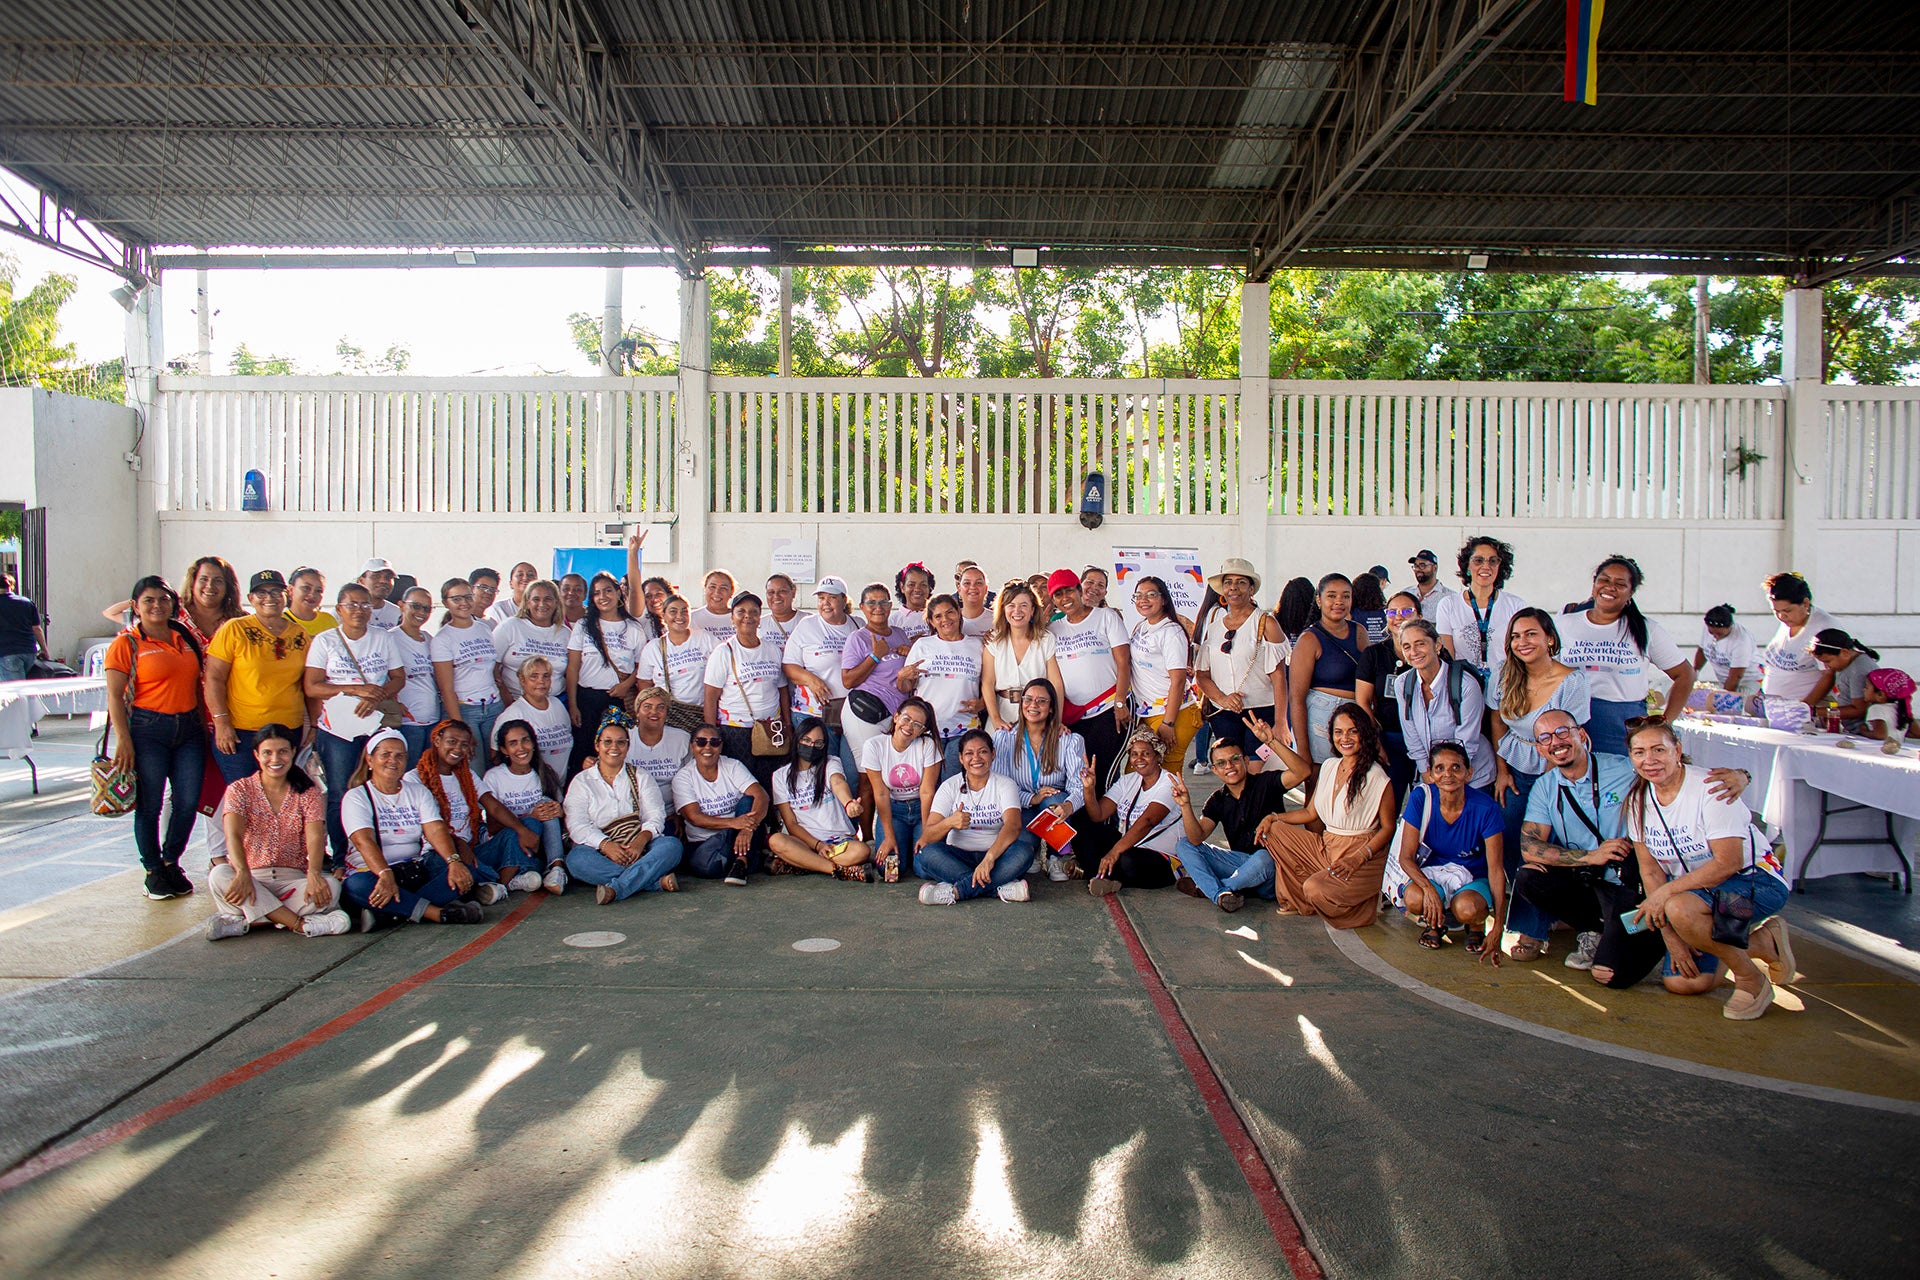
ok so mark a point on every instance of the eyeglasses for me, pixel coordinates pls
(911, 726)
(412, 606)
(1547, 737)
(355, 604)
(1491, 560)
(706, 742)
(1036, 700)
(1402, 613)
(466, 599)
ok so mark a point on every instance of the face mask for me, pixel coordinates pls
(811, 753)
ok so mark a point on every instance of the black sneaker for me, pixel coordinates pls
(181, 884)
(462, 913)
(737, 873)
(160, 886)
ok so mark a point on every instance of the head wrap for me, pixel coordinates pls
(1896, 684)
(614, 715)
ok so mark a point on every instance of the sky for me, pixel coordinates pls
(454, 321)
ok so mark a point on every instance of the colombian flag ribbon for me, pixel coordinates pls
(1583, 50)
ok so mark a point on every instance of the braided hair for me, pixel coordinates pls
(429, 772)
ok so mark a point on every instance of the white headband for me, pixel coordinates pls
(384, 735)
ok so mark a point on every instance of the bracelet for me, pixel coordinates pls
(221, 715)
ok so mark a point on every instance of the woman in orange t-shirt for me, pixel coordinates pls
(153, 671)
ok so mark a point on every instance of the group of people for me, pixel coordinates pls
(1489, 766)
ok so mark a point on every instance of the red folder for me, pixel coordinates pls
(1055, 831)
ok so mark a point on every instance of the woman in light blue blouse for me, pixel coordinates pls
(1044, 759)
(1532, 680)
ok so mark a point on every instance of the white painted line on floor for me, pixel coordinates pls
(817, 944)
(197, 929)
(595, 938)
(1361, 954)
(61, 1042)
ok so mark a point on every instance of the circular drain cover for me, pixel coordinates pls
(817, 944)
(596, 938)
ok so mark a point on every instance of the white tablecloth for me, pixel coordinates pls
(23, 702)
(1790, 771)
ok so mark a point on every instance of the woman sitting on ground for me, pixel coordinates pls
(816, 807)
(1330, 857)
(974, 842)
(275, 872)
(904, 766)
(723, 811)
(618, 821)
(401, 863)
(1691, 849)
(1450, 862)
(1044, 759)
(1137, 850)
(526, 786)
(501, 851)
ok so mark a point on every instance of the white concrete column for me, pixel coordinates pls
(1256, 420)
(1802, 370)
(203, 325)
(146, 359)
(612, 324)
(693, 431)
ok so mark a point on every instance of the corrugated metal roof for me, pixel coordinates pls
(1126, 125)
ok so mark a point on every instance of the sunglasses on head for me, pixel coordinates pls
(1636, 723)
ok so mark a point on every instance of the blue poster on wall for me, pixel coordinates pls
(587, 561)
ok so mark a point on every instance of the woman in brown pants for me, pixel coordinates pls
(1329, 857)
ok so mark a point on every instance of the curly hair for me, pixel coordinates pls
(1500, 549)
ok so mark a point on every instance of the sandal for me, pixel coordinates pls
(1433, 938)
(1528, 949)
(1476, 941)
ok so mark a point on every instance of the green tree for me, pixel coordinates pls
(663, 359)
(355, 360)
(248, 365)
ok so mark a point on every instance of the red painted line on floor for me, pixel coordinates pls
(61, 1156)
(1253, 1166)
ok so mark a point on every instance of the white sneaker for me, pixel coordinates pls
(1013, 891)
(1581, 957)
(525, 882)
(1200, 768)
(488, 894)
(938, 893)
(1056, 867)
(555, 880)
(223, 926)
(326, 924)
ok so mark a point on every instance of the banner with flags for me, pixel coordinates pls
(1583, 50)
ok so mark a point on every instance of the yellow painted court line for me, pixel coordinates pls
(1582, 998)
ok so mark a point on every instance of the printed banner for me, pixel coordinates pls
(1178, 567)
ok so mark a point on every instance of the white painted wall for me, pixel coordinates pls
(64, 453)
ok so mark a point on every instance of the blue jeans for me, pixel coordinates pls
(1522, 915)
(417, 736)
(1607, 723)
(950, 758)
(339, 757)
(410, 904)
(712, 855)
(906, 827)
(15, 666)
(499, 858)
(642, 875)
(1215, 871)
(941, 861)
(238, 763)
(553, 847)
(480, 717)
(169, 751)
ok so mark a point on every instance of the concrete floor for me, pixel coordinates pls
(983, 1090)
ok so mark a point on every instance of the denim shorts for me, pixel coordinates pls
(1770, 895)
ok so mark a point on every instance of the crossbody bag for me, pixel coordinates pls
(769, 736)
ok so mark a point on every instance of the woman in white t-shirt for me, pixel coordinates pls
(1130, 834)
(913, 588)
(351, 670)
(657, 748)
(714, 617)
(974, 843)
(602, 654)
(903, 772)
(1692, 848)
(526, 786)
(1728, 646)
(1018, 649)
(723, 811)
(552, 727)
(1473, 621)
(677, 662)
(1336, 872)
(463, 662)
(400, 860)
(746, 683)
(1789, 670)
(1164, 694)
(817, 807)
(1616, 645)
(944, 668)
(533, 630)
(420, 695)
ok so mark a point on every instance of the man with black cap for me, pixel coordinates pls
(1426, 582)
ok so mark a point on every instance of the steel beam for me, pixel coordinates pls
(1889, 229)
(50, 218)
(1414, 53)
(560, 54)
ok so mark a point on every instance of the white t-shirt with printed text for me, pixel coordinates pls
(986, 809)
(949, 676)
(1616, 669)
(718, 798)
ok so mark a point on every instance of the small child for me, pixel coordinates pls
(1889, 697)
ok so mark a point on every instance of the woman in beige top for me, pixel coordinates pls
(1019, 649)
(1330, 857)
